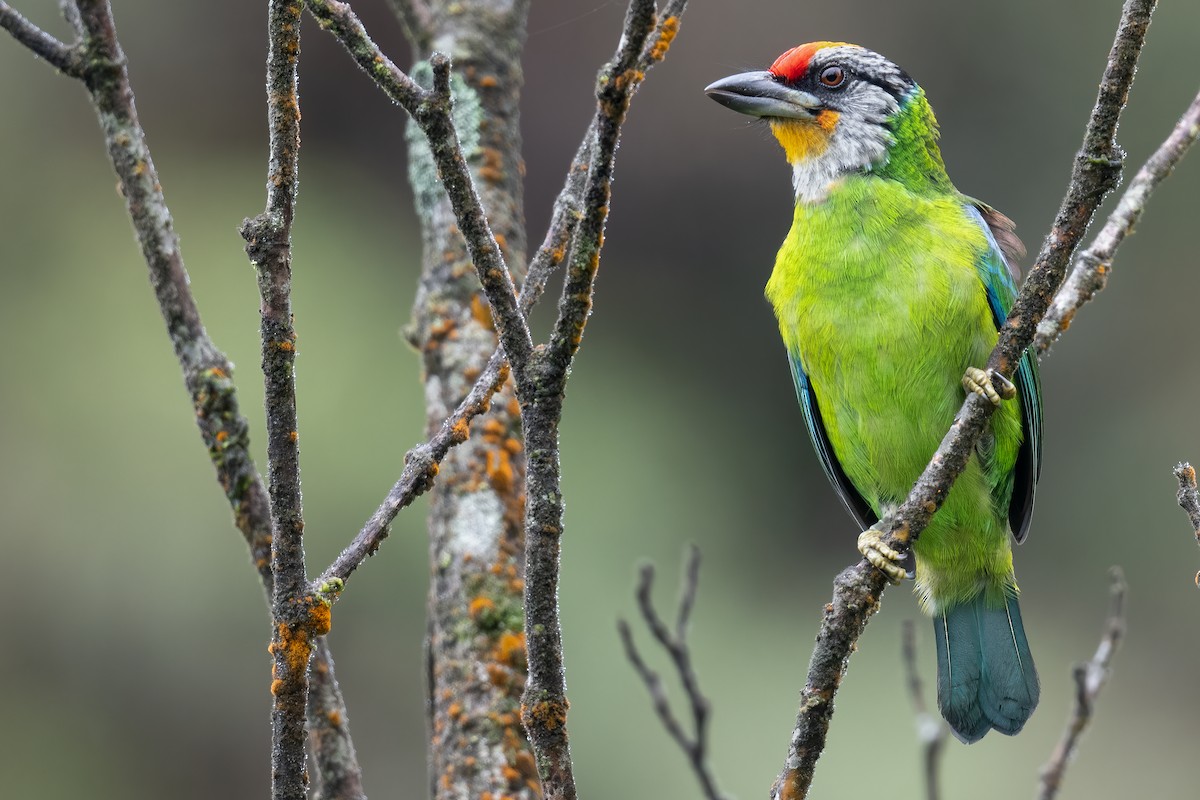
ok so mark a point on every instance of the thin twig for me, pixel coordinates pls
(63, 57)
(417, 18)
(298, 617)
(1189, 498)
(858, 588)
(1094, 264)
(1089, 681)
(695, 747)
(931, 731)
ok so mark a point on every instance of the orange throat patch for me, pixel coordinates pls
(804, 139)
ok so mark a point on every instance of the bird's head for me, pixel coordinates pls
(836, 109)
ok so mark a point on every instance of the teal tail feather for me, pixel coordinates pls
(986, 677)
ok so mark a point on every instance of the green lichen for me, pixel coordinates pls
(468, 117)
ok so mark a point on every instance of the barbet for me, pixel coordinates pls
(889, 290)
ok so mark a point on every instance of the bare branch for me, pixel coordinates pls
(931, 731)
(695, 747)
(63, 57)
(298, 617)
(1089, 681)
(858, 588)
(1189, 498)
(1094, 264)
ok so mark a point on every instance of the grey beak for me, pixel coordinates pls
(760, 94)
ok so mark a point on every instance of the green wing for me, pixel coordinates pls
(998, 274)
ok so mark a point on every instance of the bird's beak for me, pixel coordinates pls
(760, 94)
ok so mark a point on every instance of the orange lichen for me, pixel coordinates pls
(510, 649)
(489, 82)
(335, 717)
(513, 446)
(670, 28)
(497, 675)
(276, 686)
(500, 471)
(479, 605)
(548, 714)
(285, 346)
(482, 312)
(455, 710)
(460, 430)
(294, 436)
(221, 436)
(320, 617)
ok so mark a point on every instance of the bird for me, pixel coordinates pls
(890, 289)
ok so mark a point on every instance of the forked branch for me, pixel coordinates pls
(1089, 681)
(694, 745)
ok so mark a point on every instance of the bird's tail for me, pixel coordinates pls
(986, 677)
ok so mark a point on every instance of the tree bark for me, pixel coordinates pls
(475, 648)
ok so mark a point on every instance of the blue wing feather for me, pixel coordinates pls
(997, 276)
(855, 503)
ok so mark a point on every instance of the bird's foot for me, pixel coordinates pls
(882, 556)
(989, 384)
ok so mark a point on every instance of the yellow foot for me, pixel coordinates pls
(985, 384)
(881, 555)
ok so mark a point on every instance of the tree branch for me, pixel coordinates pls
(695, 747)
(931, 731)
(857, 589)
(544, 702)
(63, 57)
(1089, 681)
(298, 616)
(1094, 264)
(1189, 498)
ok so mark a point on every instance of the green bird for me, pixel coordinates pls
(889, 290)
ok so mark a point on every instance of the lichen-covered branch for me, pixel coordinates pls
(931, 731)
(544, 703)
(297, 616)
(1188, 498)
(858, 588)
(63, 57)
(1093, 265)
(694, 746)
(1089, 681)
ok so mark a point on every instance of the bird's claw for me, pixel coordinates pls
(881, 555)
(989, 384)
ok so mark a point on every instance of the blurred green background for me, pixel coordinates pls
(134, 660)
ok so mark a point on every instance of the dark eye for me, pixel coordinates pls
(833, 77)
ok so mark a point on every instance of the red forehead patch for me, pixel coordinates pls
(791, 65)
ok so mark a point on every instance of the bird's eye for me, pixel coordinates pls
(833, 77)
